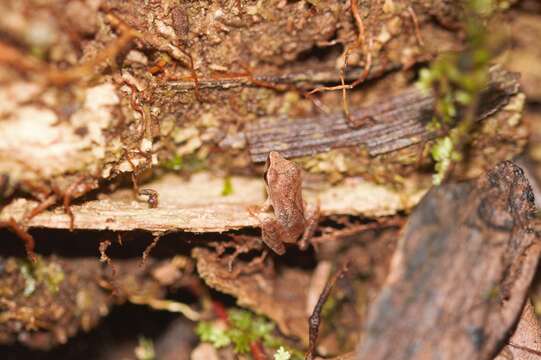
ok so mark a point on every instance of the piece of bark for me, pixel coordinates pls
(525, 344)
(282, 298)
(460, 274)
(197, 205)
(391, 124)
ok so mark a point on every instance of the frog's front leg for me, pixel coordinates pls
(272, 233)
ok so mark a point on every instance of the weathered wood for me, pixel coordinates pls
(460, 274)
(391, 124)
(197, 205)
(525, 344)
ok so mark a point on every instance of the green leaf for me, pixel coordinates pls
(241, 340)
(240, 319)
(228, 187)
(212, 333)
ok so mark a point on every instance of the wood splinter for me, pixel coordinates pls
(315, 319)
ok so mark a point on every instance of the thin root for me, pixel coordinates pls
(148, 249)
(352, 229)
(104, 258)
(366, 46)
(168, 305)
(68, 196)
(41, 207)
(416, 26)
(195, 78)
(23, 234)
(527, 349)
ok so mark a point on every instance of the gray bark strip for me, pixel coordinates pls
(460, 275)
(388, 125)
(307, 78)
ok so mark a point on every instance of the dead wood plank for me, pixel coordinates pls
(197, 205)
(388, 125)
(460, 274)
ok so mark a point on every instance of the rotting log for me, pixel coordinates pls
(226, 65)
(390, 124)
(460, 275)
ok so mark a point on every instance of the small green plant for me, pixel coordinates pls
(29, 279)
(145, 349)
(228, 186)
(42, 271)
(174, 163)
(243, 328)
(213, 333)
(456, 80)
(190, 163)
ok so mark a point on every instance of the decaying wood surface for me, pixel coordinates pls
(525, 344)
(460, 274)
(261, 292)
(391, 124)
(197, 205)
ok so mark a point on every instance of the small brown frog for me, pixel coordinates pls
(290, 221)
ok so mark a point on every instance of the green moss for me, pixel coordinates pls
(227, 188)
(456, 80)
(443, 153)
(329, 307)
(174, 163)
(243, 329)
(189, 163)
(493, 294)
(43, 272)
(145, 349)
(211, 333)
(29, 279)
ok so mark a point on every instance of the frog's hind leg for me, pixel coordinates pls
(312, 220)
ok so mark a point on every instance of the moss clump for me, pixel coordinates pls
(227, 188)
(457, 80)
(174, 163)
(43, 272)
(145, 349)
(189, 163)
(243, 328)
(213, 333)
